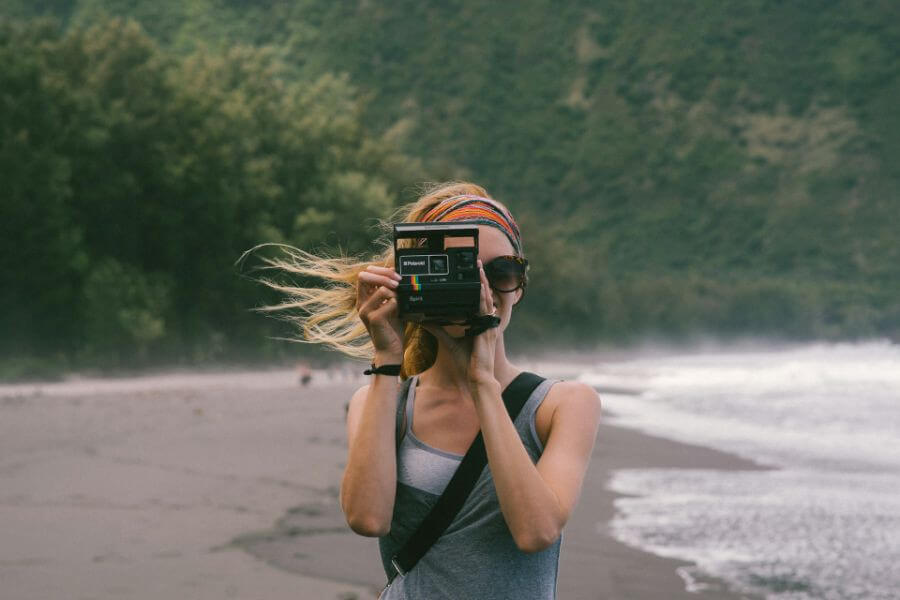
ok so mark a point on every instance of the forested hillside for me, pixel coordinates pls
(679, 167)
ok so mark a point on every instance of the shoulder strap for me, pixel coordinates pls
(448, 505)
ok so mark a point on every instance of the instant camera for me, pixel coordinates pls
(438, 264)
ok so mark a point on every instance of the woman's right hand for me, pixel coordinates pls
(376, 303)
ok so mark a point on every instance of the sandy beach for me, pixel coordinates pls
(225, 486)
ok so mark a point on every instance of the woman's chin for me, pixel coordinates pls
(455, 331)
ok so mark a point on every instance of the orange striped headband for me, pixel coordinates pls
(480, 210)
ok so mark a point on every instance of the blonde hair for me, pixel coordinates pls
(327, 315)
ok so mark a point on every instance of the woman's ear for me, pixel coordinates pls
(520, 292)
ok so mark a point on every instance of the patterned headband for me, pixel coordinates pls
(480, 210)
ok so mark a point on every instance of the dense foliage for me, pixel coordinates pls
(133, 178)
(683, 167)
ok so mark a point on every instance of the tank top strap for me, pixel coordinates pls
(410, 402)
(526, 423)
(404, 406)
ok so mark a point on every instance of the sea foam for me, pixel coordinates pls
(827, 523)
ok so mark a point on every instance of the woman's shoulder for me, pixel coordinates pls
(362, 391)
(359, 396)
(569, 401)
(580, 392)
(573, 396)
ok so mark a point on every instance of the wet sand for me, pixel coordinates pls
(225, 486)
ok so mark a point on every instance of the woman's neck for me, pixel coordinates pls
(445, 373)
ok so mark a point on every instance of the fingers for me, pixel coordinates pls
(386, 271)
(379, 297)
(381, 302)
(387, 310)
(373, 278)
(487, 299)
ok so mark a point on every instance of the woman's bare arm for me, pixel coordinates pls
(537, 500)
(370, 477)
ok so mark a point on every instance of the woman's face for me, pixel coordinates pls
(491, 244)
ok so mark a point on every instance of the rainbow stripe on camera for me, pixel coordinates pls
(414, 280)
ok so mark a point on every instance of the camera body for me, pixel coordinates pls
(439, 282)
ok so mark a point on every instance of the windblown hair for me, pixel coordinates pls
(327, 314)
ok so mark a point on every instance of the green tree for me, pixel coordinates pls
(42, 254)
(147, 173)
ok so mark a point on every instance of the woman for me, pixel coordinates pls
(406, 435)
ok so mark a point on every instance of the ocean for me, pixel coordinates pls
(824, 523)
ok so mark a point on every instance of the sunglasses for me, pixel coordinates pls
(507, 273)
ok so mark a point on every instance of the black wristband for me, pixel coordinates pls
(481, 323)
(383, 370)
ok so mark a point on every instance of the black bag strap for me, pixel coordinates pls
(457, 491)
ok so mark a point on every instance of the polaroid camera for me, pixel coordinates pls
(438, 264)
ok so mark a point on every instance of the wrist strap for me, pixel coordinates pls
(383, 370)
(481, 323)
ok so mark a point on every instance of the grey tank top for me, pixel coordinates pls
(476, 558)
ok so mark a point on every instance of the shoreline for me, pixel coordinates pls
(600, 566)
(586, 356)
(228, 487)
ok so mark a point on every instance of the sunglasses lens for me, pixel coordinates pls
(505, 274)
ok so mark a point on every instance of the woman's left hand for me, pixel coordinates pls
(481, 360)
(474, 355)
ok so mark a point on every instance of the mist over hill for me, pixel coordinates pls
(679, 168)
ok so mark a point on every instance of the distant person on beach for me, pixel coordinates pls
(304, 374)
(434, 390)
